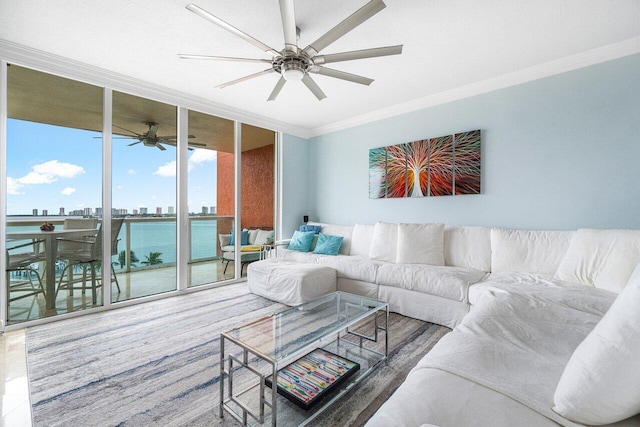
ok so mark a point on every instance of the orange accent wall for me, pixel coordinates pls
(257, 186)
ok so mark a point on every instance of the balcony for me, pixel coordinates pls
(139, 272)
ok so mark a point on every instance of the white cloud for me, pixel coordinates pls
(68, 191)
(201, 156)
(13, 187)
(132, 172)
(168, 170)
(119, 187)
(48, 172)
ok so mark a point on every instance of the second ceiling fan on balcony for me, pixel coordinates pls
(150, 138)
(293, 63)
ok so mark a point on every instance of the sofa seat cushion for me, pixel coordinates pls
(517, 343)
(297, 256)
(446, 282)
(290, 283)
(350, 267)
(542, 287)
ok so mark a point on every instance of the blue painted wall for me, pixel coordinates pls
(558, 153)
(295, 183)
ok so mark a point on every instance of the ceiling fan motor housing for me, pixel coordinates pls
(292, 68)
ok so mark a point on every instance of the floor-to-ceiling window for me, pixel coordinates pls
(54, 176)
(143, 176)
(210, 138)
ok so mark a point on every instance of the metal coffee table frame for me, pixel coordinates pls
(277, 351)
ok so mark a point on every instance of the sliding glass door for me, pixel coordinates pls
(143, 190)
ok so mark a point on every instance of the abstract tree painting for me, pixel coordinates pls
(397, 170)
(467, 162)
(417, 169)
(443, 166)
(378, 173)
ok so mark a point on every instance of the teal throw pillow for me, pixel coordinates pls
(244, 237)
(301, 241)
(328, 245)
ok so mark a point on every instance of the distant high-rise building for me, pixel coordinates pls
(87, 212)
(143, 211)
(45, 212)
(35, 212)
(205, 210)
(61, 213)
(98, 211)
(135, 211)
(159, 210)
(212, 210)
(171, 210)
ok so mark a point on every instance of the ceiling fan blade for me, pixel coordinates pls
(242, 79)
(313, 87)
(357, 54)
(120, 127)
(341, 75)
(134, 143)
(160, 147)
(277, 89)
(357, 18)
(287, 11)
(175, 136)
(222, 58)
(233, 30)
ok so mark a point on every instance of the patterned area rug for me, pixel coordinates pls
(157, 363)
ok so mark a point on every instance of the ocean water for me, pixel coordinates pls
(147, 237)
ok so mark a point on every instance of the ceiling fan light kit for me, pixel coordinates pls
(293, 63)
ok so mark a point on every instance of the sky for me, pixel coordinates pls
(49, 167)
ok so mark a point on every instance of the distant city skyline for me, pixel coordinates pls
(59, 169)
(211, 210)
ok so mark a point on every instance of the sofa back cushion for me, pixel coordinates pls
(420, 244)
(361, 239)
(337, 230)
(601, 258)
(384, 245)
(528, 251)
(468, 247)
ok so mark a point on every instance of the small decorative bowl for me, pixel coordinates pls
(47, 226)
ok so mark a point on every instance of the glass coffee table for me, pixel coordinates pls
(252, 354)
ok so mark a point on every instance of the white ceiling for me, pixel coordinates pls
(448, 45)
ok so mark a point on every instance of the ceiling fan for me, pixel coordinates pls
(151, 138)
(295, 64)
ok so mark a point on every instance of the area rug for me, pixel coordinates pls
(157, 364)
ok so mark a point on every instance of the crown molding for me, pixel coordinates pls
(591, 57)
(54, 64)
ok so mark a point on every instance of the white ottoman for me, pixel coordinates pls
(288, 282)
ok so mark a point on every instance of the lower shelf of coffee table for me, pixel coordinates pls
(289, 414)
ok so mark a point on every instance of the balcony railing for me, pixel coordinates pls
(143, 235)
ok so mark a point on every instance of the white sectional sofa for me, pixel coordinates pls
(531, 315)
